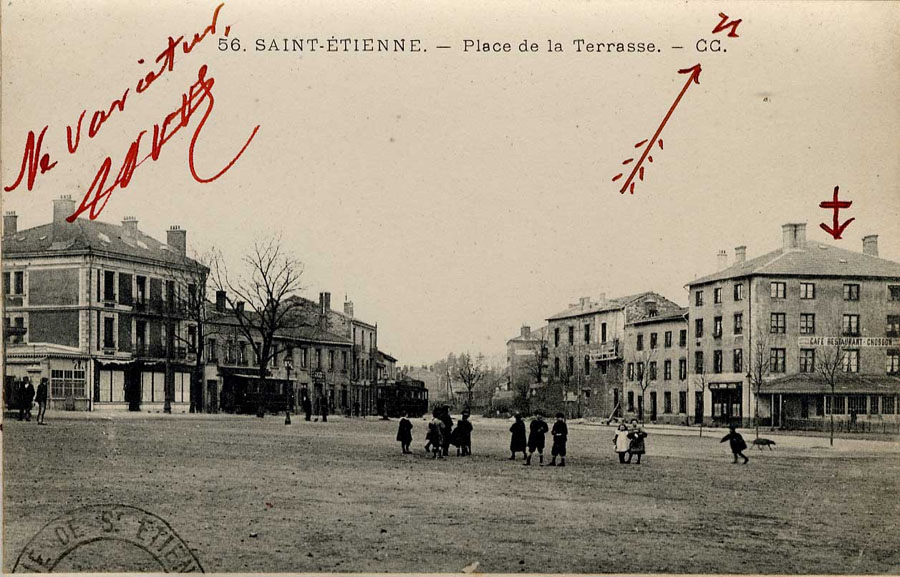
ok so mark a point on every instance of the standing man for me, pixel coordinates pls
(323, 403)
(307, 407)
(536, 435)
(41, 398)
(560, 434)
(28, 399)
(738, 445)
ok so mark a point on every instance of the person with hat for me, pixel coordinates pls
(462, 435)
(536, 435)
(41, 400)
(636, 446)
(517, 442)
(404, 434)
(560, 434)
(738, 445)
(434, 439)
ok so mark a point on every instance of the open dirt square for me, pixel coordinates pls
(250, 494)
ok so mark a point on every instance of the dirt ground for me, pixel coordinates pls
(251, 494)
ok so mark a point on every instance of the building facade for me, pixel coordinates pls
(774, 322)
(526, 360)
(103, 311)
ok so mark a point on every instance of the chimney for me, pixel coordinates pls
(793, 235)
(63, 231)
(10, 223)
(870, 244)
(220, 301)
(584, 302)
(348, 308)
(721, 260)
(740, 254)
(176, 238)
(130, 226)
(324, 302)
(526, 332)
(239, 307)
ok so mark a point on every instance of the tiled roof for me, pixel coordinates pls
(95, 235)
(304, 332)
(810, 383)
(669, 316)
(815, 259)
(577, 310)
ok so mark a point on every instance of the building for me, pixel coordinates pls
(656, 369)
(776, 319)
(104, 311)
(586, 349)
(526, 359)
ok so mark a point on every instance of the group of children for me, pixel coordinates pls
(536, 436)
(630, 444)
(441, 434)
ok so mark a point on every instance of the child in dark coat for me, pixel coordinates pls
(517, 442)
(738, 445)
(560, 434)
(462, 436)
(636, 447)
(404, 434)
(434, 439)
(537, 431)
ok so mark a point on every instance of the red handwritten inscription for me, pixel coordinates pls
(31, 161)
(199, 93)
(724, 24)
(836, 229)
(638, 169)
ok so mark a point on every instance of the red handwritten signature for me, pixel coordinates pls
(35, 161)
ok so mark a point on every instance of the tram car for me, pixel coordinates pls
(245, 395)
(407, 396)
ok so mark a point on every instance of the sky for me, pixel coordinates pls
(454, 196)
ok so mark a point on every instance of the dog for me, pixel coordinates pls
(760, 443)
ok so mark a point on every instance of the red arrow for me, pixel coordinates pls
(694, 72)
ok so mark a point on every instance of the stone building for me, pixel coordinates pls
(587, 349)
(526, 359)
(781, 315)
(103, 311)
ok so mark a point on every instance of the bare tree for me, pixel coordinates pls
(831, 359)
(642, 361)
(260, 297)
(190, 301)
(470, 373)
(535, 372)
(760, 366)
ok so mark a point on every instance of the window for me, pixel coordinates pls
(698, 362)
(717, 327)
(602, 332)
(698, 328)
(587, 333)
(630, 401)
(639, 371)
(850, 325)
(717, 361)
(141, 297)
(229, 352)
(667, 402)
(654, 340)
(717, 295)
(667, 369)
(556, 337)
(571, 335)
(64, 384)
(109, 286)
(850, 361)
(887, 405)
(838, 408)
(682, 369)
(892, 366)
(344, 362)
(304, 357)
(556, 366)
(318, 359)
(856, 404)
(682, 338)
(738, 323)
(739, 291)
(192, 338)
(807, 290)
(737, 361)
(109, 331)
(682, 402)
(873, 405)
(807, 360)
(630, 371)
(807, 324)
(211, 352)
(331, 360)
(242, 353)
(851, 292)
(587, 365)
(651, 367)
(777, 323)
(894, 291)
(893, 326)
(640, 342)
(668, 339)
(698, 298)
(777, 290)
(776, 360)
(18, 285)
(570, 366)
(603, 365)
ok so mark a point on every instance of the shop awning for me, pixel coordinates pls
(846, 384)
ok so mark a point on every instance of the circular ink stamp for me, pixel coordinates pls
(107, 538)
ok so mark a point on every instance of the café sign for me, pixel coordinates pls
(883, 342)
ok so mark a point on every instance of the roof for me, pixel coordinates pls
(97, 236)
(577, 310)
(847, 383)
(386, 357)
(814, 259)
(304, 332)
(678, 315)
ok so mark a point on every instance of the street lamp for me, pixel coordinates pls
(289, 392)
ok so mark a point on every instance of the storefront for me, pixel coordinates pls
(727, 406)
